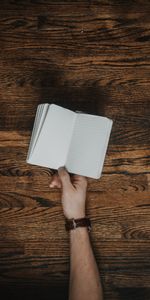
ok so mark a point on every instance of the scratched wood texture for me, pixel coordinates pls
(85, 55)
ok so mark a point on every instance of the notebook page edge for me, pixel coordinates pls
(42, 118)
(38, 130)
(105, 148)
(33, 130)
(37, 127)
(37, 122)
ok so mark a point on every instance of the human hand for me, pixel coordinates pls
(73, 193)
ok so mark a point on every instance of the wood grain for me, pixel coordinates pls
(92, 56)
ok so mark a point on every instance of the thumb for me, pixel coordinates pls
(64, 177)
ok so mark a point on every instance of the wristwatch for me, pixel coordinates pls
(74, 223)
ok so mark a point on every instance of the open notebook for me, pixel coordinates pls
(62, 137)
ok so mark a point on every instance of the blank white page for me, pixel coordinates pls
(88, 145)
(54, 139)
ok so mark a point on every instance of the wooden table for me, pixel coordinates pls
(84, 55)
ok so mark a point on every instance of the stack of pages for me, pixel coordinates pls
(76, 140)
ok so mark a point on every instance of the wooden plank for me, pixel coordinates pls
(69, 8)
(105, 196)
(112, 257)
(125, 108)
(109, 223)
(60, 291)
(66, 28)
(22, 178)
(44, 74)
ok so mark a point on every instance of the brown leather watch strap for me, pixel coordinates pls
(74, 223)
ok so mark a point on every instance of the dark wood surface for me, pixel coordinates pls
(85, 55)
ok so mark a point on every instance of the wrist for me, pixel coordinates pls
(73, 224)
(79, 230)
(79, 234)
(73, 215)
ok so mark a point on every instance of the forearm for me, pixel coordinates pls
(84, 275)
